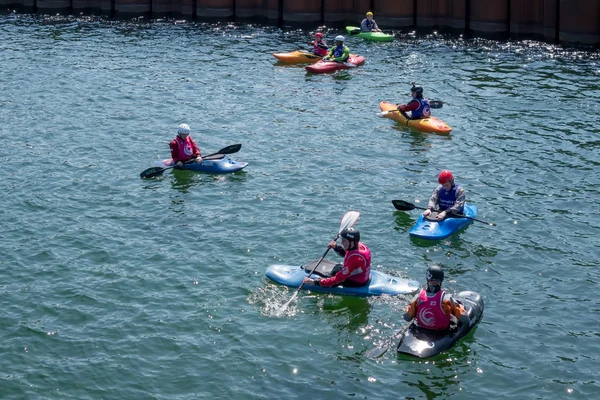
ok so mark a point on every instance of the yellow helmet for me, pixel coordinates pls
(369, 13)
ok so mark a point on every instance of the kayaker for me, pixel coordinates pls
(320, 47)
(368, 24)
(340, 52)
(434, 308)
(356, 267)
(447, 198)
(418, 106)
(183, 147)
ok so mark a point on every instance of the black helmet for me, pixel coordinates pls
(351, 234)
(435, 273)
(417, 89)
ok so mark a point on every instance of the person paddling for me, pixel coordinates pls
(368, 24)
(340, 52)
(433, 308)
(356, 267)
(183, 147)
(419, 106)
(320, 47)
(448, 198)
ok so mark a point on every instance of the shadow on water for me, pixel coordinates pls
(347, 312)
(403, 221)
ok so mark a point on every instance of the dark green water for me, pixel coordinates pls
(116, 288)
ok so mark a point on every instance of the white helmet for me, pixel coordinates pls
(339, 38)
(183, 128)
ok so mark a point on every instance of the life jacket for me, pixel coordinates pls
(447, 198)
(430, 314)
(185, 149)
(338, 51)
(359, 263)
(370, 25)
(320, 51)
(423, 111)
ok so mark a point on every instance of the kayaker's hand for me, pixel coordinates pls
(332, 244)
(441, 215)
(426, 212)
(179, 164)
(311, 281)
(199, 160)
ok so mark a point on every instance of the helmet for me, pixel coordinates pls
(319, 35)
(435, 273)
(339, 38)
(351, 234)
(183, 129)
(445, 176)
(417, 89)
(369, 13)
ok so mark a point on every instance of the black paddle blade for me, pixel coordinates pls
(234, 148)
(152, 172)
(376, 352)
(435, 104)
(403, 205)
(355, 32)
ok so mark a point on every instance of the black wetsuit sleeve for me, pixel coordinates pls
(340, 250)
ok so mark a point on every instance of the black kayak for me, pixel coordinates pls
(425, 343)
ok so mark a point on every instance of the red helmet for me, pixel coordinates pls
(445, 176)
(319, 35)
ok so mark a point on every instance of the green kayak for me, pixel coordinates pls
(375, 36)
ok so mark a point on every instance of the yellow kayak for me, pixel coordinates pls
(431, 124)
(298, 56)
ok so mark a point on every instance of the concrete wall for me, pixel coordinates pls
(569, 21)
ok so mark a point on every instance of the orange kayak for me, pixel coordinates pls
(298, 56)
(431, 124)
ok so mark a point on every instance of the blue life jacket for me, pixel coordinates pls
(447, 198)
(338, 51)
(423, 111)
(370, 25)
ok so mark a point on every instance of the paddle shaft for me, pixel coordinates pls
(378, 351)
(410, 206)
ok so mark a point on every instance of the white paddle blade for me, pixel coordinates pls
(382, 114)
(348, 220)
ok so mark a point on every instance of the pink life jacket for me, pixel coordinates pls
(430, 314)
(185, 148)
(319, 50)
(359, 262)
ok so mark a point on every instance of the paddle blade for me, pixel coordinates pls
(355, 31)
(152, 172)
(403, 205)
(435, 104)
(234, 148)
(376, 352)
(382, 114)
(348, 220)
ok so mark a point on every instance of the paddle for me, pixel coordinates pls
(355, 31)
(405, 206)
(156, 171)
(378, 351)
(432, 104)
(348, 220)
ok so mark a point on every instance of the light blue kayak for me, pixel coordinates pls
(435, 230)
(212, 166)
(380, 283)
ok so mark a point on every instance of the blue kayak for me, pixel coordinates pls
(379, 284)
(424, 343)
(212, 166)
(433, 230)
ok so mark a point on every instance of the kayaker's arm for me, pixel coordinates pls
(411, 309)
(433, 200)
(344, 55)
(459, 203)
(339, 250)
(411, 106)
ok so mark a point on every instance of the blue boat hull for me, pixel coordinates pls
(424, 343)
(435, 230)
(222, 166)
(380, 283)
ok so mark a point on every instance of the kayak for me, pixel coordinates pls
(220, 166)
(298, 56)
(379, 284)
(429, 228)
(430, 124)
(323, 67)
(374, 36)
(424, 343)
